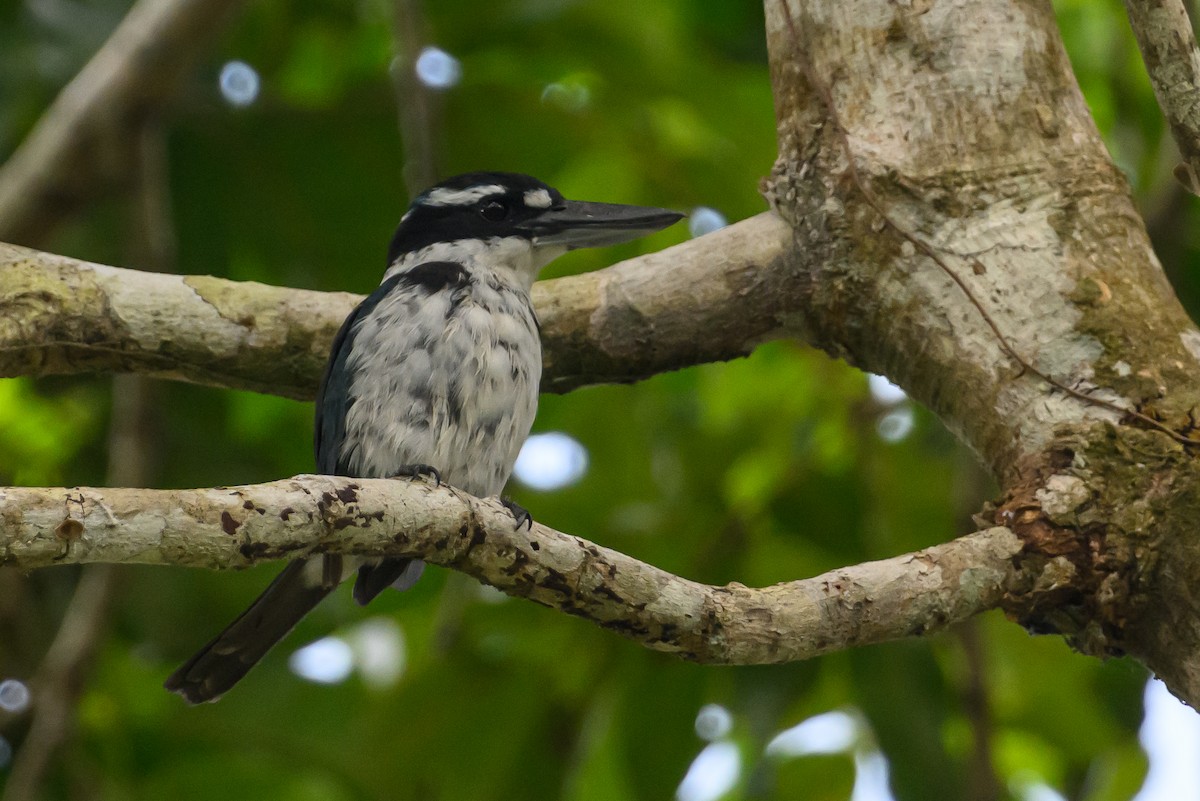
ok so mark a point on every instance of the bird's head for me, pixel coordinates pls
(511, 221)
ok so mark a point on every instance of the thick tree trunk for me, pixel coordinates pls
(958, 127)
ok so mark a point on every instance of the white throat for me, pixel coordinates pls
(513, 259)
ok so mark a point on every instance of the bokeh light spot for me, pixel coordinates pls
(14, 696)
(437, 69)
(896, 425)
(379, 651)
(326, 661)
(567, 95)
(1040, 791)
(713, 722)
(884, 391)
(828, 733)
(550, 461)
(1170, 735)
(704, 220)
(239, 83)
(871, 777)
(712, 774)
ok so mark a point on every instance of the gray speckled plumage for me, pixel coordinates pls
(462, 366)
(439, 366)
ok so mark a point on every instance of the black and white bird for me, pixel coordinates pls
(435, 373)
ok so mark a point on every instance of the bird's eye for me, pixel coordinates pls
(494, 211)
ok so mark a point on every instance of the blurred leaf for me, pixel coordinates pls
(41, 434)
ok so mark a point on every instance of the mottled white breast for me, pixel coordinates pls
(448, 378)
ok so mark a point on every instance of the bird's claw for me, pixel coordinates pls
(415, 470)
(519, 513)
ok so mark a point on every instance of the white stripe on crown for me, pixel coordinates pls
(460, 197)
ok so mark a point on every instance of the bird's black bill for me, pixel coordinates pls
(579, 224)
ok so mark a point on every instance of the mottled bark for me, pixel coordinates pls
(233, 527)
(623, 323)
(1001, 170)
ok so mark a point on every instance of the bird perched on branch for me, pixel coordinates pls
(435, 373)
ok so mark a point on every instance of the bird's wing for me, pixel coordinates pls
(333, 397)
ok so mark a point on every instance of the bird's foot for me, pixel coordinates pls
(519, 513)
(415, 470)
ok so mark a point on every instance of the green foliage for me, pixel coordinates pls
(761, 470)
(44, 429)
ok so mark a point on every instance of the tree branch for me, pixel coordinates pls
(232, 527)
(136, 70)
(634, 319)
(1168, 44)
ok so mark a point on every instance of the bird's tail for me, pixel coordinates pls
(223, 662)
